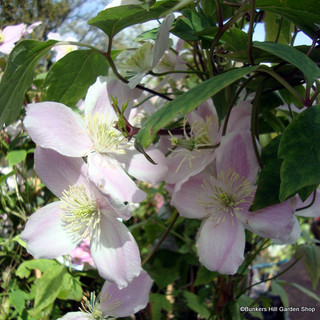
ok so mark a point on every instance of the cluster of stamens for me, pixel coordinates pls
(105, 137)
(225, 194)
(197, 139)
(80, 214)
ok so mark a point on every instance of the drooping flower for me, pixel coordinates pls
(110, 155)
(114, 303)
(145, 58)
(11, 34)
(222, 197)
(82, 212)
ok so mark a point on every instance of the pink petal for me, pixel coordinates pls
(240, 117)
(58, 172)
(180, 169)
(312, 208)
(13, 33)
(293, 236)
(221, 246)
(112, 180)
(115, 252)
(236, 152)
(98, 100)
(53, 125)
(132, 299)
(186, 196)
(136, 164)
(45, 235)
(262, 222)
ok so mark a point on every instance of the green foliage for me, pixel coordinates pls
(305, 15)
(113, 20)
(69, 78)
(300, 153)
(185, 104)
(18, 76)
(293, 56)
(310, 255)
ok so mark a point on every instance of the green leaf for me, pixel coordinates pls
(159, 302)
(306, 192)
(16, 156)
(278, 290)
(300, 149)
(185, 104)
(4, 177)
(192, 23)
(113, 20)
(267, 193)
(43, 265)
(310, 255)
(17, 299)
(277, 27)
(48, 287)
(70, 288)
(18, 76)
(69, 78)
(306, 291)
(304, 14)
(232, 311)
(194, 303)
(293, 56)
(204, 276)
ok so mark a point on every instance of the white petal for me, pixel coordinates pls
(115, 252)
(45, 235)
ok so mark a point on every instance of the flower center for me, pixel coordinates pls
(140, 61)
(224, 195)
(91, 308)
(104, 136)
(200, 137)
(81, 215)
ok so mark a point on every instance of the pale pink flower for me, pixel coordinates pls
(148, 55)
(82, 212)
(115, 303)
(11, 34)
(63, 49)
(222, 198)
(81, 254)
(110, 155)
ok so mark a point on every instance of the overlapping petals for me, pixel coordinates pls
(82, 212)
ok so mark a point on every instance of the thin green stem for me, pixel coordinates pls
(275, 75)
(250, 31)
(161, 240)
(254, 122)
(244, 84)
(176, 71)
(269, 279)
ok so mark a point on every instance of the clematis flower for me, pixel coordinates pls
(221, 197)
(11, 34)
(113, 303)
(62, 50)
(110, 155)
(194, 151)
(82, 212)
(145, 58)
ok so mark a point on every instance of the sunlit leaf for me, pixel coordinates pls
(18, 76)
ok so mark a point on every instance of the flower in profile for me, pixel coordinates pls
(62, 50)
(82, 212)
(11, 34)
(222, 197)
(145, 58)
(114, 303)
(110, 154)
